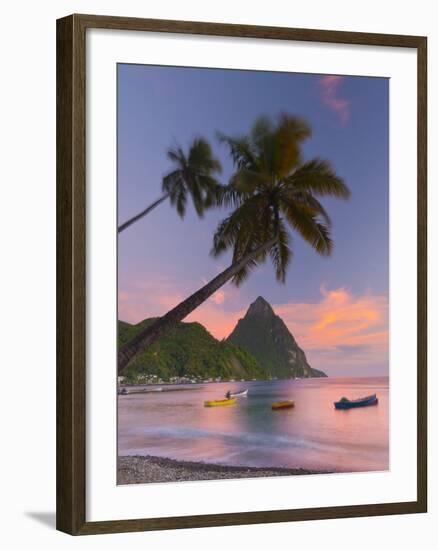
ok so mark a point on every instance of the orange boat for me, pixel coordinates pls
(283, 405)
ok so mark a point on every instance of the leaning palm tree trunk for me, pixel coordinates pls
(142, 213)
(147, 336)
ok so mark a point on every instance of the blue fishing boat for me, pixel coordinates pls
(345, 403)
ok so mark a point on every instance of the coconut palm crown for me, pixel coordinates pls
(192, 175)
(274, 190)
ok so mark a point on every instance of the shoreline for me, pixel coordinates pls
(155, 469)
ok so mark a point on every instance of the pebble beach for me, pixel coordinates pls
(154, 469)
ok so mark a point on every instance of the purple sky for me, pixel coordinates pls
(336, 307)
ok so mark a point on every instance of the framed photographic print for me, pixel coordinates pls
(241, 287)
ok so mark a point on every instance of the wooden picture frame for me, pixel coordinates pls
(71, 272)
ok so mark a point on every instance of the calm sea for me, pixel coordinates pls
(312, 435)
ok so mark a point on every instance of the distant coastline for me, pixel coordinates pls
(183, 384)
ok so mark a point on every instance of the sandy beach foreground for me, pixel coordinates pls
(154, 469)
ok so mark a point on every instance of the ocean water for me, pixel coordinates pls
(313, 435)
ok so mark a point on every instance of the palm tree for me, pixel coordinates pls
(272, 191)
(192, 175)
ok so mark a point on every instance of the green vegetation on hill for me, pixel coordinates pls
(190, 351)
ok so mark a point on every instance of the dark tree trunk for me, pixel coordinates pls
(162, 325)
(142, 213)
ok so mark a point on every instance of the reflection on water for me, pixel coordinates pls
(312, 435)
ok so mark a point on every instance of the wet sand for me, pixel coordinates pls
(154, 469)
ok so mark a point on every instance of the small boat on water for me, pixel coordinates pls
(219, 402)
(241, 393)
(278, 405)
(345, 403)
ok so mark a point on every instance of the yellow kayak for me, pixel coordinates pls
(219, 402)
(282, 405)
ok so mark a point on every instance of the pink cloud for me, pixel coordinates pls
(329, 89)
(218, 297)
(341, 328)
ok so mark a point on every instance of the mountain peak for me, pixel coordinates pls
(265, 335)
(260, 307)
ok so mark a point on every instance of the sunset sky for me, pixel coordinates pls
(336, 307)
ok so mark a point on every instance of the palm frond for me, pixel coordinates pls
(308, 225)
(317, 176)
(245, 272)
(259, 233)
(289, 135)
(294, 127)
(243, 248)
(240, 150)
(196, 192)
(180, 200)
(247, 181)
(281, 252)
(306, 199)
(201, 157)
(171, 180)
(229, 197)
(212, 190)
(262, 142)
(176, 155)
(240, 226)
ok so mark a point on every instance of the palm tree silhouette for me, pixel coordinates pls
(191, 176)
(272, 191)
